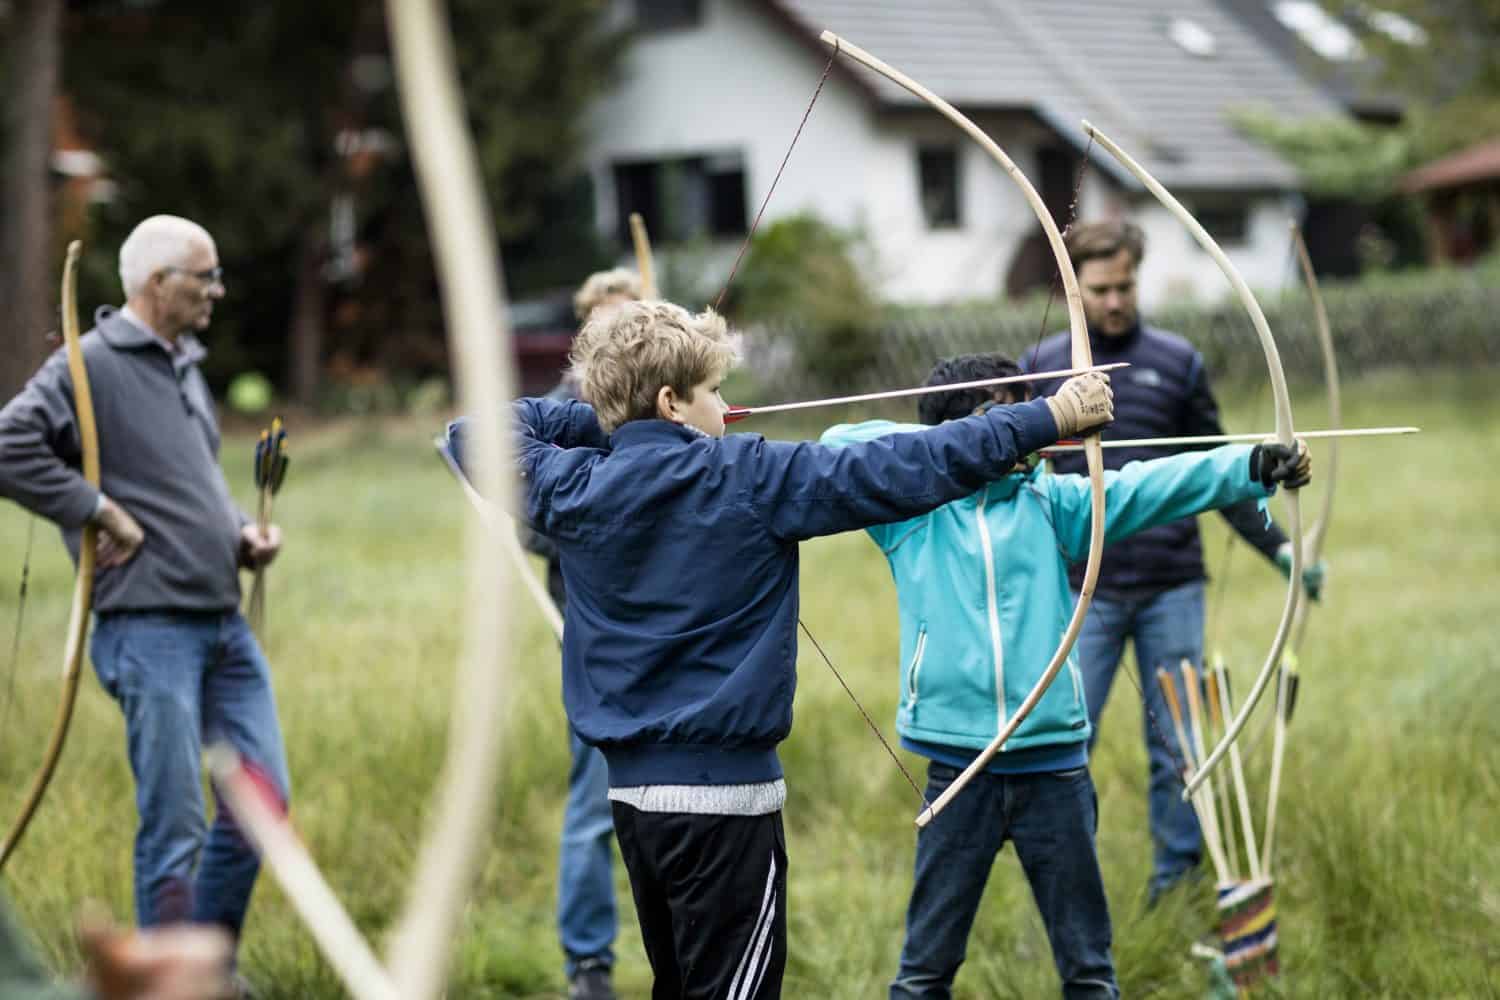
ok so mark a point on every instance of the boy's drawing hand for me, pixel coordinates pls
(1084, 403)
(1273, 464)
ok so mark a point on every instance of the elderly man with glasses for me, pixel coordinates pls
(169, 643)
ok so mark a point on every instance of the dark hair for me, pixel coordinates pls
(935, 407)
(1094, 240)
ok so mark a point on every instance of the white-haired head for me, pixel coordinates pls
(158, 242)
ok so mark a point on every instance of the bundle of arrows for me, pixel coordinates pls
(270, 469)
(1246, 903)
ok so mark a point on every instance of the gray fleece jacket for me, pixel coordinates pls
(158, 456)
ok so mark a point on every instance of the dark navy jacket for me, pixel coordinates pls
(1164, 393)
(680, 555)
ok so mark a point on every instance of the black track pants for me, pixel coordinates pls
(710, 894)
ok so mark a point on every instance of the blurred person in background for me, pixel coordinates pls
(168, 963)
(169, 643)
(586, 920)
(1151, 585)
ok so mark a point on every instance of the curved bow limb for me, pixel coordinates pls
(468, 267)
(1284, 435)
(262, 818)
(501, 521)
(83, 578)
(1082, 358)
(1312, 545)
(645, 266)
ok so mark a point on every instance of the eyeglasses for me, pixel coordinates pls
(212, 276)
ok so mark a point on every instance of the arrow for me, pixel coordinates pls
(737, 413)
(1345, 432)
(271, 461)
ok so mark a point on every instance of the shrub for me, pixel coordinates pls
(801, 281)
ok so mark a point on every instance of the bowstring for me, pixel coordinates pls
(1178, 761)
(1056, 283)
(754, 225)
(1254, 740)
(1215, 615)
(868, 721)
(718, 302)
(15, 642)
(1082, 173)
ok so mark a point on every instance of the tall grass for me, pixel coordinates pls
(1388, 872)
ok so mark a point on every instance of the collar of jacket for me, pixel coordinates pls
(1112, 345)
(123, 335)
(635, 433)
(1010, 484)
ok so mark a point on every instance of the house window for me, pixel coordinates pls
(1226, 223)
(937, 179)
(667, 15)
(685, 198)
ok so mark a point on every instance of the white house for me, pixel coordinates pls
(712, 92)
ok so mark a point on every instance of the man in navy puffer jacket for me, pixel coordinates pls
(1151, 585)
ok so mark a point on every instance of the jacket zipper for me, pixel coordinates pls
(992, 606)
(916, 668)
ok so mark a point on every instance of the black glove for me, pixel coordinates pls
(1289, 466)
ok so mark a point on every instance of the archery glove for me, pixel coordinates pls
(1273, 464)
(1084, 403)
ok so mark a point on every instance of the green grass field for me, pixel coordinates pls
(1389, 862)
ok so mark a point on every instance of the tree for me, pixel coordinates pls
(26, 244)
(275, 125)
(802, 273)
(1443, 54)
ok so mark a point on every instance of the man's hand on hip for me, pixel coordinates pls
(120, 536)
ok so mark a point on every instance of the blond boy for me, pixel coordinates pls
(679, 548)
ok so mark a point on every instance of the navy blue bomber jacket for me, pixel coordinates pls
(1164, 393)
(680, 556)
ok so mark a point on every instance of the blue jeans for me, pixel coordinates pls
(1167, 627)
(182, 680)
(1051, 818)
(585, 879)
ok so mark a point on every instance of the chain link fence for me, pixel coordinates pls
(1444, 318)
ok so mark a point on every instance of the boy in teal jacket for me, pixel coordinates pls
(983, 589)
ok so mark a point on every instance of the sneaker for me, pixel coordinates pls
(591, 981)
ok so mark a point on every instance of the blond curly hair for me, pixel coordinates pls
(625, 354)
(598, 287)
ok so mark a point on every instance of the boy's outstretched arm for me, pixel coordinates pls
(809, 490)
(540, 425)
(1144, 494)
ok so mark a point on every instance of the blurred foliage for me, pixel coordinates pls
(1418, 319)
(240, 116)
(802, 267)
(1337, 157)
(1440, 56)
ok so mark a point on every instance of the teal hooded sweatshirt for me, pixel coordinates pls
(983, 589)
